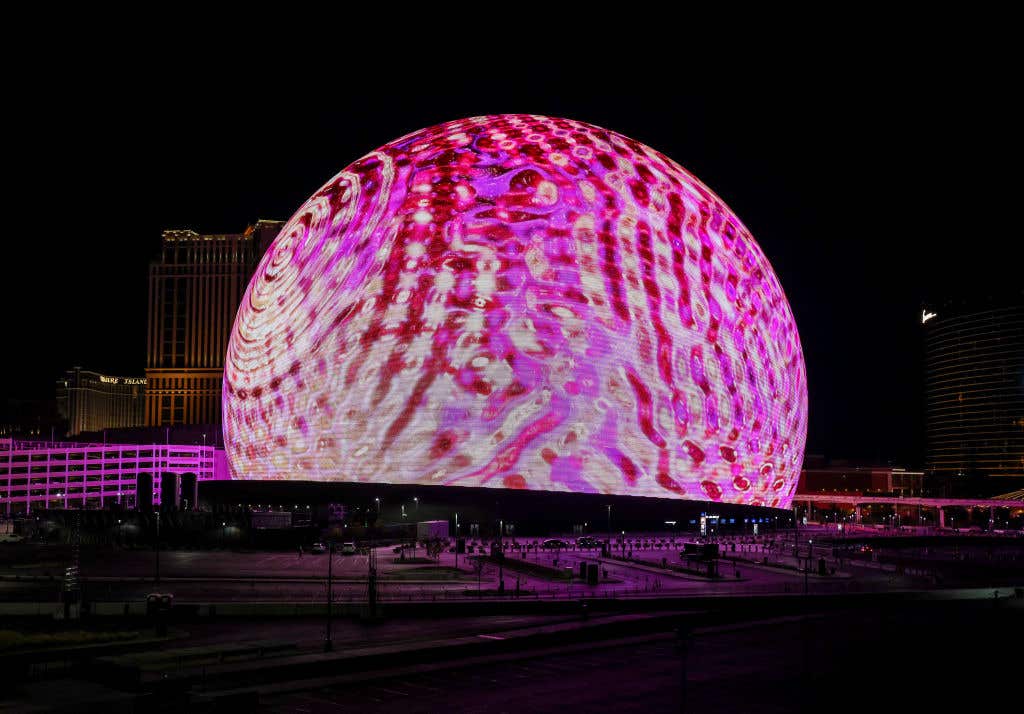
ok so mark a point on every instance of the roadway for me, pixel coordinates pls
(873, 659)
(30, 572)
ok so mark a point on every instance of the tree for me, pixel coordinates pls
(434, 548)
(478, 568)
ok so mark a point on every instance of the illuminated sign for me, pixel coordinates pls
(926, 316)
(122, 380)
(519, 302)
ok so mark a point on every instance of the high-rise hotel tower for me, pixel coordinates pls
(194, 291)
(974, 386)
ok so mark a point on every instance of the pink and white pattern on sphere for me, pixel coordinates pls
(519, 302)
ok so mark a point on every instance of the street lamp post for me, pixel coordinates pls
(807, 570)
(609, 519)
(328, 643)
(158, 546)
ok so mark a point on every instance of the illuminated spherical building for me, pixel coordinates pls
(525, 303)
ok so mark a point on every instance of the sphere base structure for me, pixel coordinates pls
(530, 513)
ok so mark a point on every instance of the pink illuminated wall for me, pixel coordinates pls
(519, 302)
(38, 474)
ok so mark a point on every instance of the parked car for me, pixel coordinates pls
(554, 544)
(318, 548)
(587, 542)
(348, 548)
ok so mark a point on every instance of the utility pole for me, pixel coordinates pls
(328, 644)
(72, 577)
(158, 546)
(371, 582)
(807, 569)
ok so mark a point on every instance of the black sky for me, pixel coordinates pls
(874, 174)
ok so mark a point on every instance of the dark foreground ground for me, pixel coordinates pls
(882, 655)
(878, 660)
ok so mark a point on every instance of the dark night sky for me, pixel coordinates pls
(868, 172)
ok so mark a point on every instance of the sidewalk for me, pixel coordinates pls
(656, 569)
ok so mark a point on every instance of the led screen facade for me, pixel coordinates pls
(519, 302)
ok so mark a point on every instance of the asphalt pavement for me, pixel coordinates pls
(873, 660)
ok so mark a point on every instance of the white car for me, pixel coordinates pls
(348, 548)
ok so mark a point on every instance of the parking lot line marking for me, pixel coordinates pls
(422, 686)
(319, 700)
(491, 637)
(393, 691)
(562, 667)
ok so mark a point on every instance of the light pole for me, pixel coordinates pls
(807, 570)
(158, 546)
(609, 519)
(328, 644)
(416, 508)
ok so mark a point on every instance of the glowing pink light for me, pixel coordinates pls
(520, 302)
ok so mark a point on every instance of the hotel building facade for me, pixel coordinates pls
(974, 387)
(195, 288)
(90, 401)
